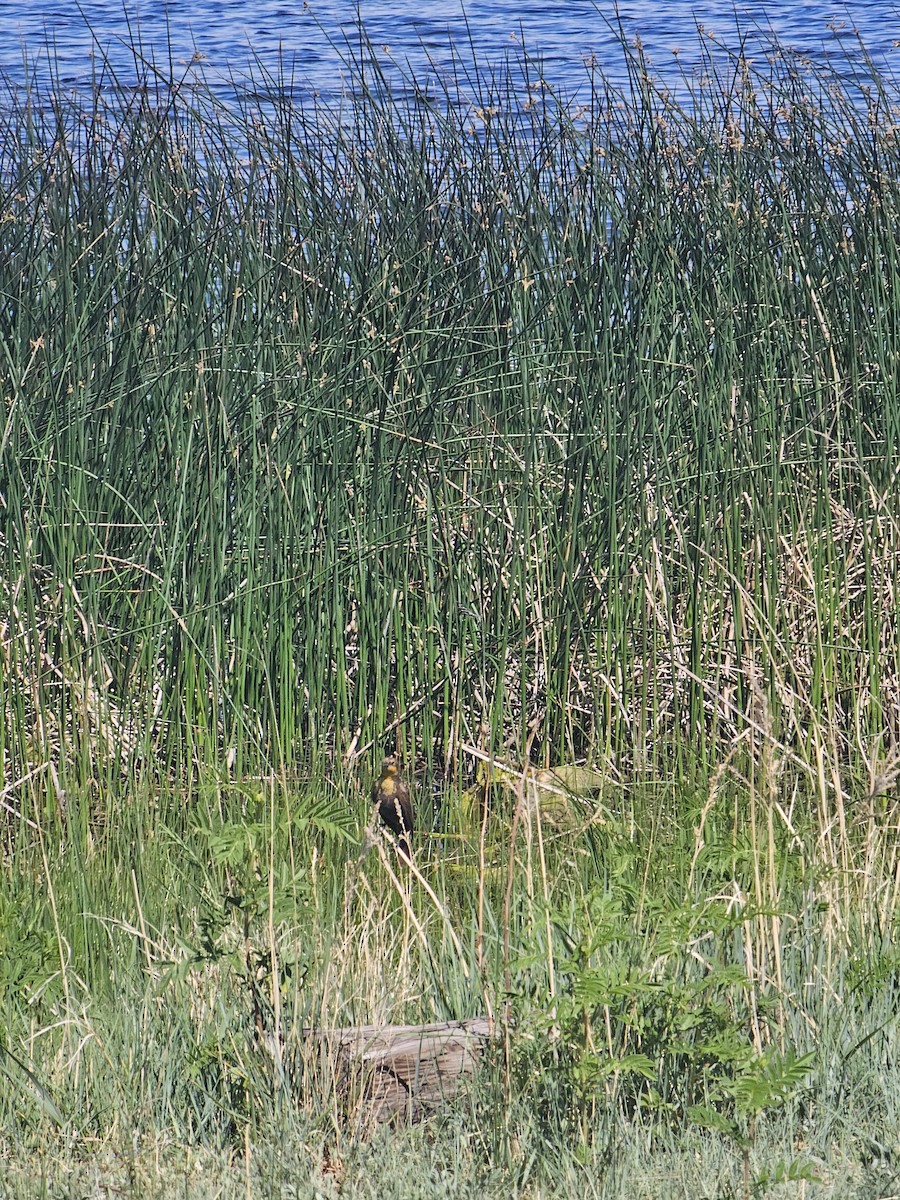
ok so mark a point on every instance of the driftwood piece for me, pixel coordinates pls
(402, 1072)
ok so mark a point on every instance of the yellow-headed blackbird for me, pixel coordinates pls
(391, 796)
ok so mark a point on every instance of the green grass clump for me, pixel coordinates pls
(501, 430)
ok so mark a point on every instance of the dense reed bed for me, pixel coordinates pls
(459, 419)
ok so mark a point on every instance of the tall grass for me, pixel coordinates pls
(443, 411)
(455, 418)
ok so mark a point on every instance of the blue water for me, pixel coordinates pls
(232, 40)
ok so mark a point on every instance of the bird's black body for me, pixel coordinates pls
(390, 794)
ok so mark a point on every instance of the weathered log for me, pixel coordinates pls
(402, 1072)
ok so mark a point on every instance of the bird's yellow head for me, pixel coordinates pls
(390, 765)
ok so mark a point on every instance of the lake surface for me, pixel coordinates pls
(226, 37)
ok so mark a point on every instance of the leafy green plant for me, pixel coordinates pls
(672, 1038)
